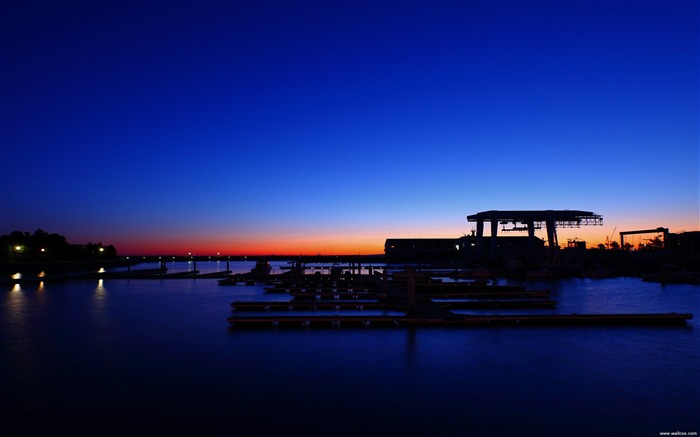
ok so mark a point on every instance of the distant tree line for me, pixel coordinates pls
(42, 246)
(684, 242)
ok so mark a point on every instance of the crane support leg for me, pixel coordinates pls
(552, 235)
(531, 237)
(494, 242)
(479, 238)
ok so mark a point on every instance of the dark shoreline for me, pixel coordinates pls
(634, 266)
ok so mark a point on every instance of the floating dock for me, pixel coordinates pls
(411, 299)
(671, 319)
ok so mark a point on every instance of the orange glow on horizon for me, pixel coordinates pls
(292, 247)
(352, 241)
(335, 245)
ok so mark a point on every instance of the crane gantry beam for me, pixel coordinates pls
(530, 221)
(644, 231)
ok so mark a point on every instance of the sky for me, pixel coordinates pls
(326, 127)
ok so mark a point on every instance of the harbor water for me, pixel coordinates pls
(150, 356)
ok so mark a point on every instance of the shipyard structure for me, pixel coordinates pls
(477, 247)
(528, 251)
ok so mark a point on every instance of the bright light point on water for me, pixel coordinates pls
(41, 274)
(100, 289)
(17, 276)
(16, 288)
(102, 270)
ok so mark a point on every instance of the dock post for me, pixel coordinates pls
(411, 293)
(227, 268)
(410, 274)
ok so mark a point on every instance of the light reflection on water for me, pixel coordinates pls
(99, 298)
(158, 355)
(16, 305)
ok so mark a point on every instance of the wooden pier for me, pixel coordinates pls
(310, 306)
(337, 321)
(415, 300)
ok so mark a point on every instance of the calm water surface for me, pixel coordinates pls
(155, 356)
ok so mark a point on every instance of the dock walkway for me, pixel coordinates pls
(671, 319)
(420, 306)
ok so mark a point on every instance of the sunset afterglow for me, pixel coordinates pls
(247, 128)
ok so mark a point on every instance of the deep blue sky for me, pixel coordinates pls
(329, 126)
